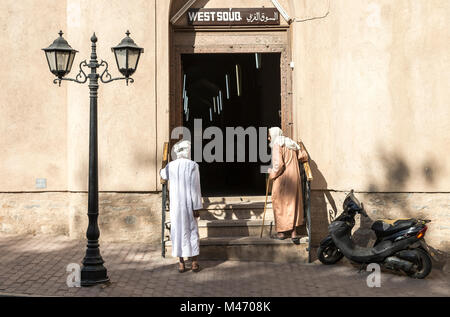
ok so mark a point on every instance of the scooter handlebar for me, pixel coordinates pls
(362, 211)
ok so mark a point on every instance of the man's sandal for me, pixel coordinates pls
(181, 269)
(195, 268)
(277, 237)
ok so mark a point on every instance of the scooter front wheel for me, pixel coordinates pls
(422, 267)
(329, 254)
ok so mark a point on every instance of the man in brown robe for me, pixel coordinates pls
(287, 199)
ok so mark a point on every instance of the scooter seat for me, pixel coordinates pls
(387, 227)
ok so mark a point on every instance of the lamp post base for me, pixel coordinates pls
(93, 275)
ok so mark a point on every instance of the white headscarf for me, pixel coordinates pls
(276, 135)
(182, 149)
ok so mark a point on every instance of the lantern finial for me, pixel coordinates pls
(93, 38)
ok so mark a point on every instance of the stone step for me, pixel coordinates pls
(256, 204)
(234, 208)
(236, 213)
(231, 200)
(250, 249)
(233, 214)
(234, 228)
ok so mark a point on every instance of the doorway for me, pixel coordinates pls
(231, 90)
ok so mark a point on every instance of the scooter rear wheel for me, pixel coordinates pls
(422, 267)
(329, 255)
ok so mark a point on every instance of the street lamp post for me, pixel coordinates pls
(60, 57)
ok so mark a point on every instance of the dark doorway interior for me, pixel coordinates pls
(258, 105)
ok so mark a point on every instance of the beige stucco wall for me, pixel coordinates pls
(45, 127)
(371, 93)
(126, 114)
(33, 116)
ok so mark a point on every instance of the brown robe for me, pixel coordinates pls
(287, 198)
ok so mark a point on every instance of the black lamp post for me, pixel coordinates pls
(60, 58)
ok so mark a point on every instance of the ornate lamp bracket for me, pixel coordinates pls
(106, 77)
(81, 78)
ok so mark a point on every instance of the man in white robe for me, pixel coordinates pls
(185, 201)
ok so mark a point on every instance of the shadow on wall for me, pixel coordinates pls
(320, 215)
(397, 172)
(392, 191)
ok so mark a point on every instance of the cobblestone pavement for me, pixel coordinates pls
(36, 265)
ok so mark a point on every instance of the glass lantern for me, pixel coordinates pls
(127, 55)
(60, 56)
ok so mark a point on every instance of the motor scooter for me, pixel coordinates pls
(399, 244)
